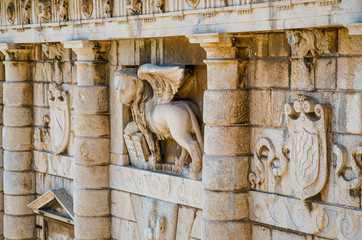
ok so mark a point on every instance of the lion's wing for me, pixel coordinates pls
(165, 80)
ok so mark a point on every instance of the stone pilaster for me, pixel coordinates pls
(2, 79)
(225, 162)
(19, 179)
(92, 143)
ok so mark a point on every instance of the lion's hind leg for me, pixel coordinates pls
(183, 160)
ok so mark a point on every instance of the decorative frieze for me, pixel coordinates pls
(161, 186)
(313, 218)
(56, 165)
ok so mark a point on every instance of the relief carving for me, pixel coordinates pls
(44, 10)
(156, 225)
(307, 42)
(160, 5)
(42, 135)
(307, 126)
(10, 12)
(348, 177)
(62, 8)
(278, 166)
(87, 8)
(108, 10)
(193, 3)
(26, 11)
(149, 92)
(134, 7)
(60, 119)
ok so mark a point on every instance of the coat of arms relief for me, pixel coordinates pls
(307, 126)
(149, 92)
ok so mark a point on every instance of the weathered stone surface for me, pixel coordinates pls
(263, 79)
(40, 93)
(215, 230)
(233, 110)
(92, 228)
(17, 139)
(280, 235)
(18, 205)
(17, 161)
(91, 99)
(326, 73)
(91, 151)
(349, 73)
(93, 203)
(349, 44)
(27, 230)
(122, 206)
(17, 94)
(19, 183)
(49, 163)
(302, 75)
(91, 73)
(225, 173)
(91, 177)
(91, 125)
(17, 71)
(260, 232)
(218, 68)
(226, 140)
(185, 222)
(17, 116)
(225, 206)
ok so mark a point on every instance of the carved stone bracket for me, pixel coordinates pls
(348, 177)
(307, 42)
(307, 125)
(278, 166)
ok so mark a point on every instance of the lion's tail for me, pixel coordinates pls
(196, 126)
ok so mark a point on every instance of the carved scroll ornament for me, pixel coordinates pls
(87, 8)
(348, 177)
(149, 92)
(307, 126)
(60, 120)
(278, 166)
(10, 12)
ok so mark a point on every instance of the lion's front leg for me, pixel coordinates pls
(131, 129)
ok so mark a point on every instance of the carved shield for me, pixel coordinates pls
(59, 120)
(307, 125)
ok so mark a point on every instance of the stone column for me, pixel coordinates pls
(19, 179)
(2, 79)
(91, 144)
(226, 136)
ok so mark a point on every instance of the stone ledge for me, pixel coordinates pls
(313, 218)
(157, 185)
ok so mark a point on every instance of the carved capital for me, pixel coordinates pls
(217, 45)
(87, 50)
(15, 52)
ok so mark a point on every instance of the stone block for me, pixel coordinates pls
(260, 233)
(226, 140)
(91, 177)
(17, 161)
(325, 73)
(280, 235)
(263, 79)
(18, 116)
(122, 206)
(185, 222)
(17, 71)
(17, 94)
(67, 72)
(92, 203)
(260, 46)
(302, 75)
(278, 45)
(19, 183)
(91, 99)
(224, 206)
(16, 227)
(18, 205)
(349, 73)
(17, 139)
(349, 44)
(225, 173)
(38, 114)
(92, 227)
(226, 107)
(222, 74)
(91, 125)
(40, 93)
(92, 73)
(216, 230)
(91, 151)
(347, 112)
(38, 72)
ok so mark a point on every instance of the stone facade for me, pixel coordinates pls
(140, 119)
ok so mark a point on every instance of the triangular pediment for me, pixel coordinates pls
(56, 204)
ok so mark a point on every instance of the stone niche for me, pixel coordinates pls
(55, 218)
